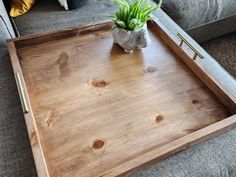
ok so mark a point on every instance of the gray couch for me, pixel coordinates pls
(213, 158)
(203, 19)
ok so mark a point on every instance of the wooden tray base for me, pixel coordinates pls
(97, 110)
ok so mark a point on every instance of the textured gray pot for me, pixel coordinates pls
(130, 40)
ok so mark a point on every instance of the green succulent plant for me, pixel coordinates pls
(133, 15)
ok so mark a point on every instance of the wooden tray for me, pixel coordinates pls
(92, 110)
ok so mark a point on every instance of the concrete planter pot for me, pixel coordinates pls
(130, 40)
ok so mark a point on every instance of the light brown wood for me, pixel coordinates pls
(35, 142)
(96, 111)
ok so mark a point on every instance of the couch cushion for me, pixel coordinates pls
(192, 13)
(49, 15)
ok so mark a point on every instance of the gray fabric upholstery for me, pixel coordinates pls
(49, 15)
(214, 29)
(213, 158)
(192, 13)
(201, 18)
(5, 18)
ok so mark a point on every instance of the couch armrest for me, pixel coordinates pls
(203, 19)
(6, 21)
(190, 14)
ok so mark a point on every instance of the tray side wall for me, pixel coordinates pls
(47, 37)
(39, 159)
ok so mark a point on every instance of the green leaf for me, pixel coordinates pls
(133, 15)
(121, 24)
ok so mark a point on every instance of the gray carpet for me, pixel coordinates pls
(223, 49)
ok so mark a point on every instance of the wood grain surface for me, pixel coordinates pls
(101, 112)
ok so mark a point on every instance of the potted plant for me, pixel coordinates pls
(130, 23)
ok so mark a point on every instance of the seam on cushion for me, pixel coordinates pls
(6, 26)
(17, 33)
(210, 22)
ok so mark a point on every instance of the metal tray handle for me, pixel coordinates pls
(183, 40)
(21, 93)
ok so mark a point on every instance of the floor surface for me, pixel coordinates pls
(223, 49)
